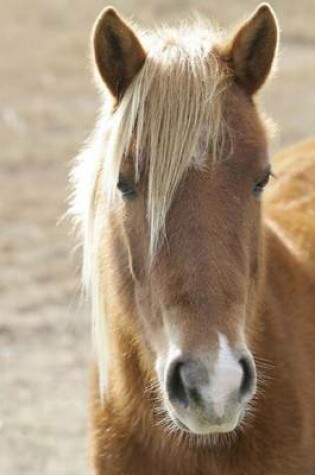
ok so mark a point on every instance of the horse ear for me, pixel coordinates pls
(252, 50)
(118, 53)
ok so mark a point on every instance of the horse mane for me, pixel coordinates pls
(178, 93)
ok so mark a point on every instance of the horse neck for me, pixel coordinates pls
(278, 266)
(276, 337)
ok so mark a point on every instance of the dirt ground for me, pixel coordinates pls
(47, 107)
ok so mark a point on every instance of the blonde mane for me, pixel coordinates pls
(178, 93)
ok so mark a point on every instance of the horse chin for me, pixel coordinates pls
(199, 426)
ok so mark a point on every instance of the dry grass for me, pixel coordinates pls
(48, 105)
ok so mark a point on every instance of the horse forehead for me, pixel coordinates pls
(199, 158)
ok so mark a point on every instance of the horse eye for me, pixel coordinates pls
(262, 182)
(127, 187)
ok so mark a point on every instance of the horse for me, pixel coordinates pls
(202, 291)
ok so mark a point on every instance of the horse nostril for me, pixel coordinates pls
(175, 385)
(248, 380)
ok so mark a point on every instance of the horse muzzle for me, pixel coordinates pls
(205, 399)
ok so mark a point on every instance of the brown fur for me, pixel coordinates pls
(221, 253)
(280, 439)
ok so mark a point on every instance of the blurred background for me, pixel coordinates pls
(47, 107)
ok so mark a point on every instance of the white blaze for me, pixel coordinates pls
(227, 376)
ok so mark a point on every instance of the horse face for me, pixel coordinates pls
(196, 297)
